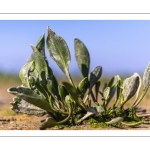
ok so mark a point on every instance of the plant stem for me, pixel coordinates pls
(132, 124)
(69, 78)
(86, 98)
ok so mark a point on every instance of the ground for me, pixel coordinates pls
(12, 121)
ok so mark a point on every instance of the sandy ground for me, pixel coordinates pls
(11, 121)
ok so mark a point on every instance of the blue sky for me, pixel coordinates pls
(119, 46)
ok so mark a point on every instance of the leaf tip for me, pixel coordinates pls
(76, 39)
(31, 45)
(48, 31)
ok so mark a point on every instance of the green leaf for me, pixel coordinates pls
(113, 82)
(130, 86)
(146, 78)
(74, 95)
(24, 74)
(41, 45)
(55, 86)
(106, 93)
(83, 86)
(42, 72)
(99, 110)
(50, 86)
(94, 76)
(58, 50)
(71, 90)
(26, 108)
(40, 63)
(62, 92)
(31, 97)
(96, 110)
(97, 86)
(133, 124)
(119, 87)
(88, 114)
(82, 57)
(110, 89)
(115, 120)
(50, 122)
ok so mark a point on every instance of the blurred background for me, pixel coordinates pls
(121, 47)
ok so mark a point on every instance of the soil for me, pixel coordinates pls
(12, 121)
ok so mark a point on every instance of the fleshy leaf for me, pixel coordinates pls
(62, 92)
(82, 57)
(40, 63)
(74, 95)
(146, 78)
(26, 108)
(24, 73)
(111, 94)
(50, 122)
(106, 93)
(97, 86)
(58, 50)
(42, 73)
(133, 124)
(113, 82)
(130, 86)
(115, 120)
(118, 88)
(41, 45)
(94, 76)
(96, 110)
(31, 97)
(55, 85)
(99, 110)
(88, 114)
(83, 86)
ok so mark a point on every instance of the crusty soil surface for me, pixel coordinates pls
(12, 121)
(25, 122)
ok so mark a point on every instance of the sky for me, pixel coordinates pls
(121, 47)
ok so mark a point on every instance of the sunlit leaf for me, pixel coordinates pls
(113, 82)
(74, 94)
(115, 120)
(24, 73)
(27, 108)
(82, 57)
(94, 76)
(41, 45)
(130, 86)
(58, 50)
(133, 124)
(83, 86)
(106, 93)
(146, 78)
(31, 97)
(97, 110)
